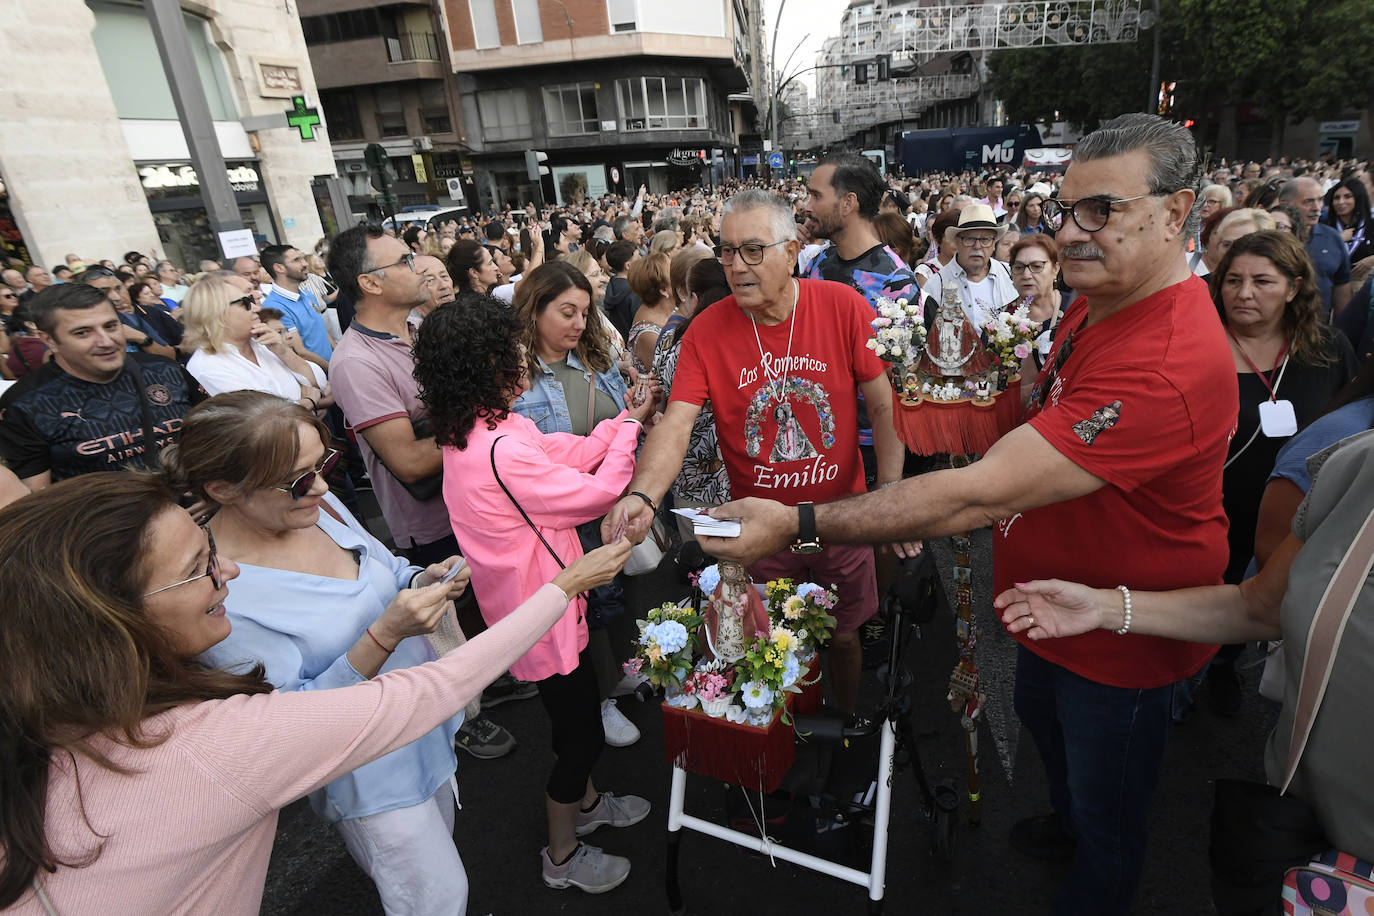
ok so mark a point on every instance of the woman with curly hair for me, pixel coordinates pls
(515, 497)
(1285, 354)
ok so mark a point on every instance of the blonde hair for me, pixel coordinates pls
(665, 241)
(1259, 220)
(678, 268)
(205, 312)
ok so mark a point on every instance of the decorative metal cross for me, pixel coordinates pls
(303, 119)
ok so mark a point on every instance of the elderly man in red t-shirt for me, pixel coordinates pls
(780, 361)
(1115, 479)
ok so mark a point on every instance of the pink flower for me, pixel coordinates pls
(633, 665)
(1021, 350)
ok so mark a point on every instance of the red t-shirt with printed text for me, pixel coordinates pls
(1146, 400)
(788, 426)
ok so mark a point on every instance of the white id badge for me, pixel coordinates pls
(1277, 419)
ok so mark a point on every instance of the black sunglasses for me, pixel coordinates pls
(245, 301)
(300, 487)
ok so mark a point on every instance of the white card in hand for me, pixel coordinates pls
(1277, 419)
(711, 527)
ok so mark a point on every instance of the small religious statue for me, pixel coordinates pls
(791, 443)
(734, 615)
(956, 351)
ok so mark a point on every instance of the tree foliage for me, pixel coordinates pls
(1291, 58)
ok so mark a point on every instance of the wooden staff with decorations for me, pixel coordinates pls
(959, 391)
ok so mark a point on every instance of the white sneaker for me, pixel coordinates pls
(628, 684)
(620, 731)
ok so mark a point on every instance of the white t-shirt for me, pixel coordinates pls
(985, 296)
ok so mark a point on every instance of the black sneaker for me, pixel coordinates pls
(506, 688)
(1223, 683)
(873, 632)
(1043, 837)
(484, 739)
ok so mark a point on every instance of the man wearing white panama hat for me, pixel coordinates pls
(983, 283)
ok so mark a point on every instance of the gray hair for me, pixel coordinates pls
(1173, 154)
(1293, 187)
(666, 223)
(779, 211)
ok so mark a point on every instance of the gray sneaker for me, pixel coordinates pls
(589, 869)
(484, 739)
(616, 810)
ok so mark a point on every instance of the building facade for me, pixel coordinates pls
(92, 156)
(618, 93)
(384, 78)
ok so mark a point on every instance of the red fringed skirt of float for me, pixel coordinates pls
(933, 427)
(737, 754)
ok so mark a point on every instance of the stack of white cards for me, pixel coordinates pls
(703, 524)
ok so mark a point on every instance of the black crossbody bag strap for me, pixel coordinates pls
(521, 509)
(152, 458)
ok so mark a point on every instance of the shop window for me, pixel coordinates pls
(341, 114)
(505, 114)
(571, 109)
(484, 29)
(623, 15)
(662, 103)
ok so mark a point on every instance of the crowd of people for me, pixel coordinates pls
(525, 393)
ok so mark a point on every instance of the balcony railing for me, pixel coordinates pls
(412, 46)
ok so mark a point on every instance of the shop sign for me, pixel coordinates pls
(242, 178)
(1340, 127)
(686, 156)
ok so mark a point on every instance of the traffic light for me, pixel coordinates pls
(534, 164)
(860, 74)
(884, 66)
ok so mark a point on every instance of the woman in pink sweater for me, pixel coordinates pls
(134, 781)
(515, 498)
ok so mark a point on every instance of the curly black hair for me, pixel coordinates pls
(467, 363)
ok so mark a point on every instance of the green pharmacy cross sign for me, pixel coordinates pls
(303, 119)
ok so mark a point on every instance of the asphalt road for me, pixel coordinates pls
(500, 827)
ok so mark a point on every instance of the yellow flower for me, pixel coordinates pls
(655, 653)
(782, 638)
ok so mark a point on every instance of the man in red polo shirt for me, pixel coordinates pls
(1114, 480)
(779, 362)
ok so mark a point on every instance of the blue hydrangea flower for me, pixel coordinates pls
(756, 695)
(670, 635)
(808, 588)
(709, 579)
(791, 670)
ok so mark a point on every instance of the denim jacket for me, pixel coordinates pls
(547, 405)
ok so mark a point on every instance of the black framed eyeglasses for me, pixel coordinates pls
(752, 252)
(246, 301)
(1090, 213)
(300, 487)
(408, 259)
(211, 569)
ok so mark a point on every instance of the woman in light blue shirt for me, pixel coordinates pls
(320, 603)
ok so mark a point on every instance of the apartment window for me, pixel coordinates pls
(571, 109)
(528, 30)
(623, 15)
(661, 103)
(391, 116)
(331, 27)
(484, 28)
(434, 108)
(505, 114)
(341, 114)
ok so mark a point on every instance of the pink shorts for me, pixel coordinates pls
(847, 567)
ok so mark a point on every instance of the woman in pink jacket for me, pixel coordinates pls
(515, 498)
(134, 779)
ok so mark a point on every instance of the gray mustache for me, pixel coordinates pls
(1081, 250)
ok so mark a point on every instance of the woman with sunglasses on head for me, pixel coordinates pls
(320, 603)
(235, 351)
(138, 780)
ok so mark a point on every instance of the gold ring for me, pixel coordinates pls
(1030, 620)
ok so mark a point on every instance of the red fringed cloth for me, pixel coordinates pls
(740, 755)
(957, 427)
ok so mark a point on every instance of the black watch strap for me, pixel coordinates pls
(806, 527)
